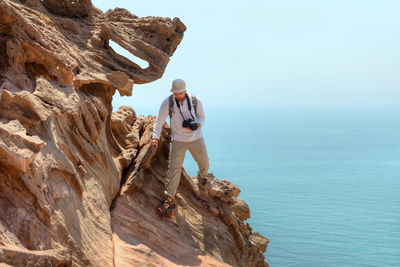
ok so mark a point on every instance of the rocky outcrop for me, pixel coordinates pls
(78, 186)
(207, 227)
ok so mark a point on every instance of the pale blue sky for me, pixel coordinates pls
(277, 52)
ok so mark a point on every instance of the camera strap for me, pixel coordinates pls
(189, 106)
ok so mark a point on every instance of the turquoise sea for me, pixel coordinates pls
(322, 183)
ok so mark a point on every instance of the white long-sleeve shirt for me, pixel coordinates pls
(178, 132)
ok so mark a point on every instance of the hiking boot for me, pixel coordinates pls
(202, 181)
(166, 206)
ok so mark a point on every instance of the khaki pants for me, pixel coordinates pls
(177, 151)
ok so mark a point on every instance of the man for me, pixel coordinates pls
(184, 136)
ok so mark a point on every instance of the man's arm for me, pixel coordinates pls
(200, 113)
(161, 117)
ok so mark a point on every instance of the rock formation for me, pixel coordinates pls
(78, 186)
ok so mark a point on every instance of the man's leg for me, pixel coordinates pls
(199, 152)
(176, 158)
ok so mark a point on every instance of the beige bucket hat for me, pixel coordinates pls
(178, 85)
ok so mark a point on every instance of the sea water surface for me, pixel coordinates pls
(322, 183)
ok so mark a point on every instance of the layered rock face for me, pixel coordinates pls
(78, 186)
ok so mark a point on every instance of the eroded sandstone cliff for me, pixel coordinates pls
(78, 186)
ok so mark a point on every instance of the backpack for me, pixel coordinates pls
(171, 104)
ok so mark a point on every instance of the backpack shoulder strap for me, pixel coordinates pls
(171, 105)
(194, 101)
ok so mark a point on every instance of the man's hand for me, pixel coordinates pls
(154, 142)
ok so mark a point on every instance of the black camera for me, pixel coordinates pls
(189, 123)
